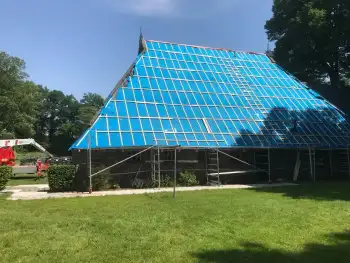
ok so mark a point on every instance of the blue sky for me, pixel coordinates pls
(86, 45)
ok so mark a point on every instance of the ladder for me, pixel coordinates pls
(343, 162)
(307, 165)
(246, 88)
(213, 168)
(155, 163)
(262, 160)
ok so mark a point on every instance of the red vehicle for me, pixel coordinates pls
(8, 157)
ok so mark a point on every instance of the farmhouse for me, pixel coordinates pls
(226, 116)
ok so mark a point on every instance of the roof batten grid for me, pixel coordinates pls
(156, 79)
(215, 92)
(223, 106)
(238, 77)
(188, 119)
(218, 81)
(208, 134)
(166, 108)
(199, 107)
(193, 92)
(262, 87)
(144, 100)
(213, 95)
(137, 106)
(172, 105)
(128, 115)
(118, 120)
(108, 134)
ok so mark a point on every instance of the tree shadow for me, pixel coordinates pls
(322, 191)
(338, 251)
(322, 127)
(286, 131)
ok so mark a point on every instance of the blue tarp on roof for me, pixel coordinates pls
(204, 97)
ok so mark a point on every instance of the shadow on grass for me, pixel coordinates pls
(323, 191)
(339, 252)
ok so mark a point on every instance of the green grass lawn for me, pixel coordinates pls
(307, 223)
(26, 179)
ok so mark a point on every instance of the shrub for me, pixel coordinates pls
(187, 179)
(98, 182)
(114, 187)
(139, 183)
(101, 180)
(5, 175)
(61, 178)
(167, 181)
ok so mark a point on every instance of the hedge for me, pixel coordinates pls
(61, 178)
(5, 175)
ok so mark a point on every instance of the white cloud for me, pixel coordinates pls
(172, 8)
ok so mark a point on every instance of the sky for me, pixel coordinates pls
(80, 46)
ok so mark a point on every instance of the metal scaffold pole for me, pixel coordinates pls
(314, 163)
(153, 166)
(268, 154)
(158, 167)
(174, 190)
(330, 162)
(89, 160)
(348, 161)
(311, 165)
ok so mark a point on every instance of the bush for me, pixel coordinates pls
(98, 182)
(61, 178)
(187, 179)
(5, 175)
(167, 181)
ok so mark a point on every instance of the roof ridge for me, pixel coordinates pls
(206, 47)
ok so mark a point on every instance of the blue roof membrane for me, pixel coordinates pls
(203, 97)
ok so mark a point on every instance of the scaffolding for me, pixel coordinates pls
(214, 170)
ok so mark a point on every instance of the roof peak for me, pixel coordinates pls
(205, 47)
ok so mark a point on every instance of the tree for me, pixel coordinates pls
(58, 117)
(89, 106)
(27, 109)
(19, 99)
(312, 38)
(92, 99)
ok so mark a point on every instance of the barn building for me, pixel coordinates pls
(226, 116)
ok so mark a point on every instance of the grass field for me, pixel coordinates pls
(26, 179)
(306, 223)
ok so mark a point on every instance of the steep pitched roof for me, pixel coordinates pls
(193, 96)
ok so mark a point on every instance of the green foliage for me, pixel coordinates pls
(5, 175)
(19, 99)
(187, 179)
(92, 99)
(52, 118)
(167, 181)
(61, 178)
(98, 182)
(141, 183)
(114, 186)
(312, 38)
